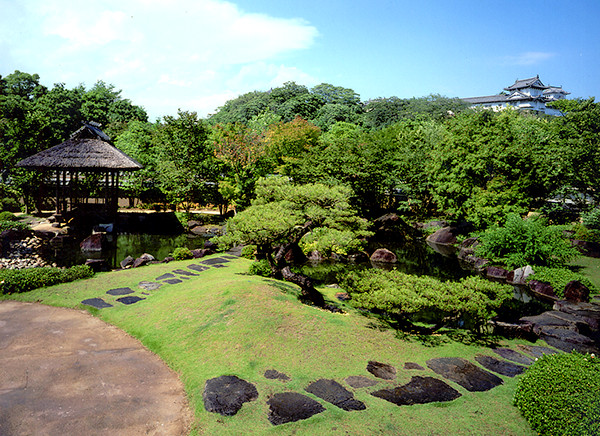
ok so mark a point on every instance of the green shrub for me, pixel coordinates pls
(559, 277)
(560, 395)
(248, 251)
(13, 281)
(418, 298)
(591, 219)
(523, 242)
(8, 216)
(260, 268)
(584, 233)
(327, 241)
(10, 204)
(12, 225)
(182, 253)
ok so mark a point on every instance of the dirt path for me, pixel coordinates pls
(65, 372)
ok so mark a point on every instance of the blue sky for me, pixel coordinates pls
(197, 54)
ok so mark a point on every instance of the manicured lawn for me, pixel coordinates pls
(590, 267)
(225, 322)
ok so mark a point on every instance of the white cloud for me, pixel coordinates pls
(529, 58)
(159, 52)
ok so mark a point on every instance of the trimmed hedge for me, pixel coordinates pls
(12, 225)
(182, 253)
(559, 277)
(560, 395)
(8, 216)
(260, 268)
(14, 281)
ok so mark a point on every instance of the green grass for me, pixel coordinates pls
(225, 322)
(588, 266)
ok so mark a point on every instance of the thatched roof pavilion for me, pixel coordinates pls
(88, 150)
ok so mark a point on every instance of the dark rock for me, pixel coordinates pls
(497, 273)
(98, 303)
(381, 370)
(359, 257)
(419, 390)
(384, 255)
(168, 259)
(315, 256)
(93, 242)
(509, 354)
(566, 339)
(392, 226)
(210, 245)
(98, 265)
(343, 296)
(412, 365)
(360, 381)
(173, 281)
(576, 292)
(463, 372)
(543, 290)
(519, 275)
(291, 406)
(149, 286)
(334, 393)
(197, 268)
(499, 366)
(588, 313)
(227, 394)
(467, 247)
(194, 223)
(131, 299)
(143, 260)
(128, 261)
(536, 350)
(473, 262)
(552, 318)
(214, 261)
(201, 252)
(166, 276)
(276, 375)
(446, 236)
(120, 291)
(294, 254)
(591, 249)
(184, 272)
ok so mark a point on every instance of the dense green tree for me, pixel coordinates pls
(287, 142)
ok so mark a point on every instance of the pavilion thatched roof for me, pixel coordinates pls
(88, 149)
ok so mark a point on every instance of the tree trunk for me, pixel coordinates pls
(306, 286)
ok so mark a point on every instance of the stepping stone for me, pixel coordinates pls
(166, 276)
(500, 366)
(173, 281)
(381, 370)
(98, 303)
(419, 390)
(218, 265)
(149, 286)
(214, 261)
(463, 372)
(291, 406)
(509, 354)
(334, 393)
(412, 365)
(198, 268)
(536, 350)
(130, 299)
(120, 291)
(184, 272)
(360, 381)
(276, 375)
(229, 256)
(145, 293)
(227, 394)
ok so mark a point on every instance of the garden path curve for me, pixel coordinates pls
(64, 371)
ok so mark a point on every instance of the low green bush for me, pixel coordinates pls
(248, 251)
(182, 253)
(584, 233)
(12, 225)
(13, 281)
(8, 216)
(260, 268)
(560, 395)
(591, 219)
(10, 204)
(559, 277)
(327, 241)
(423, 298)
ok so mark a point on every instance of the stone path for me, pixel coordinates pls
(65, 372)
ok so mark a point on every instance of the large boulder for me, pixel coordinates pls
(93, 242)
(144, 259)
(496, 273)
(577, 292)
(446, 236)
(392, 226)
(519, 275)
(542, 290)
(127, 262)
(384, 255)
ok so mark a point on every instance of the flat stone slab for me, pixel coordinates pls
(537, 350)
(463, 372)
(215, 261)
(220, 265)
(120, 291)
(334, 393)
(227, 394)
(173, 281)
(412, 365)
(509, 354)
(360, 381)
(166, 276)
(500, 366)
(567, 340)
(198, 268)
(419, 390)
(381, 370)
(273, 374)
(149, 286)
(131, 299)
(65, 372)
(184, 272)
(98, 303)
(292, 406)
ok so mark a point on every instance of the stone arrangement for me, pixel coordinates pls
(22, 253)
